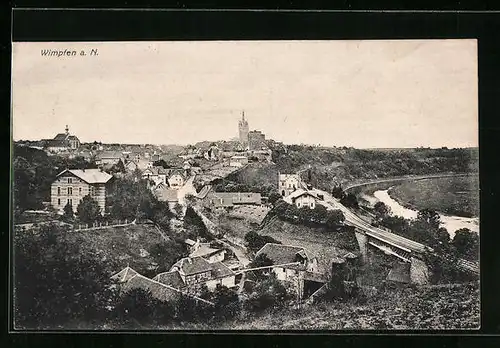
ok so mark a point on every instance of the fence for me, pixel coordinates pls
(106, 224)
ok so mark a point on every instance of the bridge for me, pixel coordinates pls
(382, 239)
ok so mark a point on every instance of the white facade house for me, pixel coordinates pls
(176, 180)
(302, 198)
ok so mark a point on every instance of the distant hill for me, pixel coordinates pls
(347, 165)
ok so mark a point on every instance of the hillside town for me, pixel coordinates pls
(236, 238)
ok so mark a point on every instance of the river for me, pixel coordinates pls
(451, 223)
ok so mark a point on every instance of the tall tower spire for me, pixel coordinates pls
(243, 130)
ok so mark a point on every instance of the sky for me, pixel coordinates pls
(365, 94)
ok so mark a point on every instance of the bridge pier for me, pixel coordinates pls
(362, 243)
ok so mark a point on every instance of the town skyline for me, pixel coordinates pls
(362, 94)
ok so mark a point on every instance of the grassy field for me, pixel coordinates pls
(452, 195)
(121, 246)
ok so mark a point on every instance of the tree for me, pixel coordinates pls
(429, 216)
(227, 303)
(350, 201)
(194, 224)
(256, 241)
(178, 210)
(334, 218)
(58, 281)
(138, 306)
(161, 163)
(68, 212)
(88, 210)
(274, 197)
(466, 243)
(381, 210)
(337, 192)
(165, 254)
(268, 294)
(261, 260)
(118, 167)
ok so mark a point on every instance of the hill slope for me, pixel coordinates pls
(319, 242)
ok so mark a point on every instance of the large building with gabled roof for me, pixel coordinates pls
(71, 185)
(62, 142)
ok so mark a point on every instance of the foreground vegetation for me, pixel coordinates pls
(433, 307)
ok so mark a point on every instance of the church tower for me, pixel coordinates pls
(243, 130)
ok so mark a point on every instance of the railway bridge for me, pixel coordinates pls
(383, 239)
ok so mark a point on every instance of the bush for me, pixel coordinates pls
(88, 210)
(268, 294)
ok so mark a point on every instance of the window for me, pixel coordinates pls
(59, 201)
(70, 180)
(70, 201)
(80, 190)
(58, 191)
(70, 190)
(312, 205)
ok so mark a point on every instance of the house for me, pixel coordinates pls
(129, 279)
(86, 154)
(238, 161)
(109, 158)
(131, 166)
(190, 243)
(210, 254)
(302, 198)
(197, 271)
(229, 199)
(212, 153)
(294, 265)
(167, 195)
(287, 183)
(156, 174)
(71, 185)
(167, 290)
(176, 179)
(62, 142)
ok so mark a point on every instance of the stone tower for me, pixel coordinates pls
(243, 130)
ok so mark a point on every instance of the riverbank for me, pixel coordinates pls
(454, 196)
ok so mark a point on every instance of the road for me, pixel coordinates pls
(187, 188)
(212, 229)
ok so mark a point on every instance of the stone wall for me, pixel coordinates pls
(419, 272)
